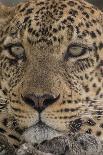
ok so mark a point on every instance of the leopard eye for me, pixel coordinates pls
(15, 50)
(75, 51)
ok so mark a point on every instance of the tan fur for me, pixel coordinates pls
(44, 31)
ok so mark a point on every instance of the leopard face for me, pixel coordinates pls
(51, 70)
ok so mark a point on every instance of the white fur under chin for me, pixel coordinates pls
(39, 133)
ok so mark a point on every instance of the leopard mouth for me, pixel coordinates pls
(40, 132)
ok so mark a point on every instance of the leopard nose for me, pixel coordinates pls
(40, 103)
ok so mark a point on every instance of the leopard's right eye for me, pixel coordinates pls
(75, 51)
(16, 51)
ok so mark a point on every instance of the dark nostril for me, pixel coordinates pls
(50, 100)
(28, 101)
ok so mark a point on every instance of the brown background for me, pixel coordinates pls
(98, 3)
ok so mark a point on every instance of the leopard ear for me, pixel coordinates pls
(6, 14)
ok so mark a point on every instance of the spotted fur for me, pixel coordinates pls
(51, 70)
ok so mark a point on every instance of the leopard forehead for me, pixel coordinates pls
(51, 21)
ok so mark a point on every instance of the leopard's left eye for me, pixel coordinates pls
(18, 51)
(74, 51)
(15, 50)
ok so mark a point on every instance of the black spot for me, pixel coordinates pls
(33, 33)
(59, 28)
(76, 102)
(77, 29)
(23, 9)
(30, 30)
(93, 21)
(5, 91)
(20, 131)
(63, 5)
(101, 96)
(86, 76)
(93, 35)
(19, 7)
(81, 77)
(86, 88)
(71, 3)
(54, 38)
(75, 125)
(100, 45)
(98, 91)
(55, 30)
(14, 137)
(80, 8)
(92, 11)
(15, 146)
(70, 19)
(29, 40)
(98, 133)
(64, 21)
(36, 34)
(87, 25)
(73, 12)
(82, 143)
(99, 79)
(14, 94)
(80, 24)
(41, 3)
(65, 117)
(90, 23)
(95, 46)
(68, 110)
(101, 125)
(94, 85)
(64, 102)
(69, 101)
(28, 11)
(26, 19)
(2, 130)
(87, 99)
(99, 112)
(86, 14)
(17, 109)
(66, 150)
(98, 31)
(5, 122)
(89, 131)
(91, 122)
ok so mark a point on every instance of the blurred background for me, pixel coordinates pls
(98, 3)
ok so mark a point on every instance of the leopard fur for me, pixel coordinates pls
(51, 70)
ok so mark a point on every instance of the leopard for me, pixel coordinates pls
(51, 70)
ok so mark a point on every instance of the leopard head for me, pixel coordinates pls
(50, 56)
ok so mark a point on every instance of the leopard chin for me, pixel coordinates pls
(39, 133)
